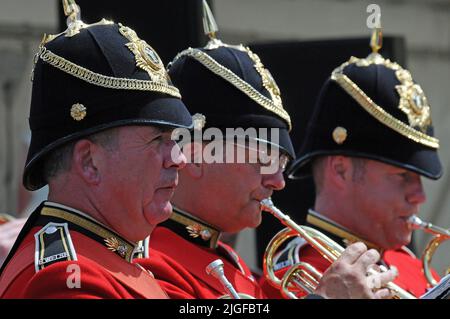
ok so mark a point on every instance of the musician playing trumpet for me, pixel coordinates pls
(369, 143)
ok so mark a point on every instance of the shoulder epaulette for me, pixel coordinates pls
(53, 244)
(290, 254)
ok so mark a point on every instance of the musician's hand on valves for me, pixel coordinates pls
(349, 277)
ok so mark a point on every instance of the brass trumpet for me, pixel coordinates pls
(303, 276)
(440, 235)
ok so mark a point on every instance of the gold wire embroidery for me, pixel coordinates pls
(87, 224)
(267, 79)
(235, 80)
(114, 245)
(146, 58)
(197, 230)
(103, 80)
(375, 110)
(413, 101)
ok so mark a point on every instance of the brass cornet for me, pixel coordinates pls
(440, 235)
(303, 276)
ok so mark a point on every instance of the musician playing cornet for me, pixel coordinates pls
(369, 142)
(231, 88)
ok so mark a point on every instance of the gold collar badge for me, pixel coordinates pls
(196, 230)
(114, 245)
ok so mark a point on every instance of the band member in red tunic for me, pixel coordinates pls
(369, 143)
(101, 117)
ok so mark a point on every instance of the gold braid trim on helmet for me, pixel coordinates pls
(240, 84)
(103, 80)
(375, 110)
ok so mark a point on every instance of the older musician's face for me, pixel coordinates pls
(237, 190)
(139, 178)
(234, 192)
(384, 197)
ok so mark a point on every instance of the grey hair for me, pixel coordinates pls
(60, 159)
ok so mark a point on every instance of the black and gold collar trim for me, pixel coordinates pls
(86, 225)
(192, 229)
(319, 221)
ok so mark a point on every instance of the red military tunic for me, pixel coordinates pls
(180, 250)
(63, 253)
(411, 277)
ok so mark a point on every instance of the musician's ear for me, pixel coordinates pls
(338, 170)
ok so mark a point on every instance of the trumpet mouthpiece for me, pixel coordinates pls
(266, 203)
(415, 222)
(215, 268)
